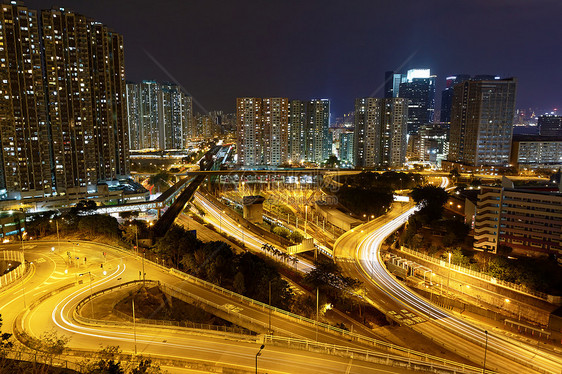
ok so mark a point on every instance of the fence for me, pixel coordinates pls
(17, 272)
(476, 274)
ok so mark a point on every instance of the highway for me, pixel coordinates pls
(359, 255)
(56, 313)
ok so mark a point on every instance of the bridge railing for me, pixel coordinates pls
(366, 355)
(379, 344)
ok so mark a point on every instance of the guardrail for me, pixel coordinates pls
(479, 275)
(366, 355)
(148, 322)
(375, 343)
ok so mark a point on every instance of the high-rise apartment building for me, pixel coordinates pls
(160, 115)
(380, 136)
(482, 122)
(24, 132)
(550, 125)
(297, 135)
(275, 112)
(346, 150)
(318, 146)
(63, 103)
(249, 129)
(273, 131)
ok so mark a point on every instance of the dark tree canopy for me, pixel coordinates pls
(431, 199)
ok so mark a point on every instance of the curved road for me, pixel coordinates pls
(359, 255)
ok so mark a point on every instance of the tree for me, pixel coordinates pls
(454, 174)
(281, 231)
(296, 237)
(83, 207)
(238, 284)
(332, 162)
(161, 180)
(51, 344)
(5, 341)
(432, 199)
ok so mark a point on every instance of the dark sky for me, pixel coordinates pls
(220, 50)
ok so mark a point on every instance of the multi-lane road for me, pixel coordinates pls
(56, 313)
(359, 255)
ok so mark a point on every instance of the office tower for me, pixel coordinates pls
(297, 138)
(24, 134)
(380, 132)
(482, 122)
(419, 90)
(249, 130)
(447, 96)
(550, 125)
(275, 112)
(433, 142)
(318, 146)
(392, 83)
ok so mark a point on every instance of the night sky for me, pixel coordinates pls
(220, 50)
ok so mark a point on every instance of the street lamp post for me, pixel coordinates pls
(485, 351)
(317, 297)
(23, 267)
(305, 218)
(134, 325)
(257, 355)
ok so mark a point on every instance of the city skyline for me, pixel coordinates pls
(345, 54)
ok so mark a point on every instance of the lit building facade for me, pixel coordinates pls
(380, 134)
(275, 112)
(550, 125)
(249, 130)
(64, 125)
(482, 122)
(296, 128)
(536, 152)
(160, 116)
(530, 222)
(318, 145)
(447, 96)
(24, 133)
